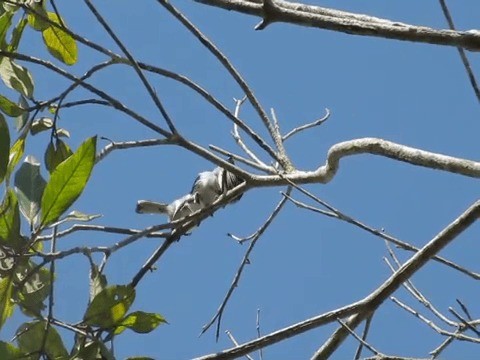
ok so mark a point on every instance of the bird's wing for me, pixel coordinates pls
(180, 207)
(231, 180)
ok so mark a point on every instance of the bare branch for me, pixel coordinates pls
(401, 275)
(317, 122)
(218, 315)
(258, 332)
(368, 322)
(350, 23)
(464, 309)
(134, 64)
(229, 334)
(115, 103)
(362, 309)
(461, 52)
(360, 339)
(431, 324)
(238, 139)
(130, 144)
(286, 163)
(373, 146)
(379, 233)
(101, 228)
(416, 293)
(241, 159)
(235, 74)
(464, 321)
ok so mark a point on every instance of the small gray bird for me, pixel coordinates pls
(209, 185)
(176, 210)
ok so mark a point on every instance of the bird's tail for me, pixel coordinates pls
(151, 207)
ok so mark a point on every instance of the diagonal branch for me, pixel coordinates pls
(418, 260)
(134, 64)
(236, 76)
(363, 308)
(349, 23)
(218, 315)
(461, 52)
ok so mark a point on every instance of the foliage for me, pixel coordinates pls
(27, 283)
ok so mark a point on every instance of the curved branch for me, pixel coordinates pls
(372, 146)
(350, 23)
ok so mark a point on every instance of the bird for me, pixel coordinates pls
(210, 185)
(206, 189)
(176, 210)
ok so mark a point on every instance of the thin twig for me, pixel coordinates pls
(464, 309)
(50, 296)
(360, 340)
(415, 292)
(85, 102)
(218, 315)
(241, 159)
(134, 63)
(115, 103)
(464, 321)
(285, 162)
(130, 144)
(366, 329)
(379, 233)
(461, 51)
(258, 332)
(229, 334)
(317, 122)
(432, 325)
(229, 67)
(410, 267)
(100, 228)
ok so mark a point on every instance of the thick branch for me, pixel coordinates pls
(361, 309)
(401, 275)
(372, 146)
(350, 23)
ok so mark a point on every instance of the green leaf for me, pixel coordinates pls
(56, 154)
(16, 77)
(17, 35)
(36, 21)
(59, 43)
(67, 182)
(16, 153)
(29, 186)
(98, 282)
(31, 338)
(141, 322)
(77, 216)
(9, 220)
(4, 148)
(7, 261)
(41, 124)
(10, 7)
(62, 133)
(110, 306)
(6, 303)
(35, 289)
(9, 352)
(21, 119)
(9, 107)
(5, 22)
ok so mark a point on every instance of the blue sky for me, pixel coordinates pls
(305, 264)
